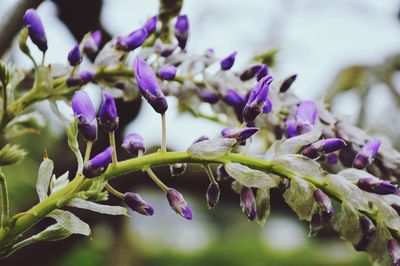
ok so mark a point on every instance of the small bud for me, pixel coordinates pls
(228, 61)
(367, 154)
(250, 72)
(376, 185)
(239, 133)
(164, 50)
(323, 146)
(178, 203)
(316, 224)
(108, 116)
(182, 31)
(367, 226)
(137, 204)
(91, 42)
(207, 96)
(291, 126)
(212, 195)
(74, 56)
(234, 99)
(148, 85)
(222, 174)
(81, 78)
(178, 169)
(394, 251)
(151, 25)
(98, 164)
(248, 202)
(324, 203)
(133, 143)
(257, 99)
(36, 31)
(332, 158)
(362, 245)
(167, 72)
(287, 83)
(306, 116)
(84, 111)
(262, 72)
(23, 37)
(132, 41)
(201, 138)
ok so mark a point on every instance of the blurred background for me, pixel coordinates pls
(346, 51)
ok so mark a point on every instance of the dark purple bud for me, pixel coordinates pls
(164, 50)
(324, 203)
(257, 99)
(207, 96)
(262, 72)
(35, 28)
(98, 164)
(323, 146)
(178, 169)
(148, 85)
(250, 72)
(133, 143)
(178, 203)
(92, 42)
(137, 204)
(212, 195)
(306, 116)
(167, 72)
(377, 186)
(316, 224)
(108, 116)
(367, 154)
(85, 113)
(201, 138)
(151, 25)
(81, 78)
(182, 30)
(362, 245)
(132, 41)
(238, 133)
(228, 61)
(234, 99)
(367, 226)
(394, 251)
(332, 158)
(74, 56)
(291, 126)
(222, 174)
(248, 202)
(287, 83)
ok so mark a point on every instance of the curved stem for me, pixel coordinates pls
(89, 146)
(4, 205)
(114, 191)
(156, 179)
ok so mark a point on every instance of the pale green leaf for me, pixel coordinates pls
(95, 207)
(249, 177)
(263, 206)
(72, 134)
(299, 166)
(212, 148)
(347, 224)
(58, 183)
(45, 172)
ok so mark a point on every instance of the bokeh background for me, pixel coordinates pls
(346, 51)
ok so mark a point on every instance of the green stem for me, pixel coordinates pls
(210, 173)
(111, 137)
(156, 180)
(114, 191)
(89, 146)
(5, 205)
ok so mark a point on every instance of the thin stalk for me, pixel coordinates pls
(114, 191)
(5, 211)
(43, 57)
(89, 146)
(33, 61)
(164, 133)
(111, 137)
(210, 173)
(153, 177)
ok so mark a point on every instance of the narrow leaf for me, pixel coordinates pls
(211, 148)
(45, 172)
(263, 206)
(249, 177)
(95, 207)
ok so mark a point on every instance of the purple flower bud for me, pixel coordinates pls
(98, 164)
(137, 204)
(287, 83)
(306, 116)
(257, 99)
(228, 61)
(316, 224)
(207, 96)
(84, 111)
(234, 99)
(133, 143)
(394, 251)
(164, 50)
(212, 195)
(81, 78)
(240, 134)
(149, 86)
(167, 72)
(267, 107)
(151, 25)
(367, 154)
(332, 158)
(250, 72)
(377, 186)
(92, 42)
(324, 203)
(132, 41)
(182, 31)
(248, 202)
(35, 28)
(363, 244)
(323, 146)
(178, 169)
(74, 56)
(108, 116)
(291, 126)
(201, 138)
(178, 203)
(262, 72)
(222, 174)
(367, 226)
